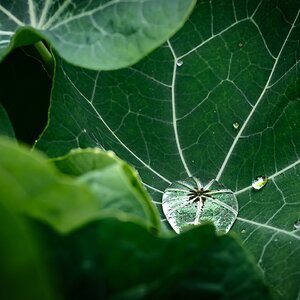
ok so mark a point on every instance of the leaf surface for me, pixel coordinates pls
(115, 184)
(33, 187)
(105, 34)
(105, 261)
(22, 261)
(219, 101)
(5, 124)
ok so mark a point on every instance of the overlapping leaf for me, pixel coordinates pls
(109, 259)
(172, 116)
(115, 184)
(5, 125)
(93, 34)
(22, 262)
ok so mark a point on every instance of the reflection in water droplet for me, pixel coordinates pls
(179, 62)
(236, 125)
(243, 231)
(188, 202)
(297, 225)
(259, 182)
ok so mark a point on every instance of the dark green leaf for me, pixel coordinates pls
(97, 34)
(109, 259)
(5, 125)
(230, 111)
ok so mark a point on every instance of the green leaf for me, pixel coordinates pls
(23, 272)
(5, 124)
(109, 259)
(115, 184)
(93, 34)
(35, 188)
(230, 111)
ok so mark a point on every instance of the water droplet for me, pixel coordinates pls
(297, 225)
(240, 44)
(236, 125)
(259, 182)
(243, 231)
(214, 203)
(179, 62)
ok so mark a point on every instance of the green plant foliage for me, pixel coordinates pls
(5, 124)
(107, 187)
(34, 187)
(112, 257)
(97, 34)
(115, 184)
(109, 259)
(219, 100)
(23, 272)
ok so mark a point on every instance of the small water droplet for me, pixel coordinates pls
(236, 125)
(259, 182)
(240, 44)
(214, 203)
(179, 62)
(243, 231)
(297, 225)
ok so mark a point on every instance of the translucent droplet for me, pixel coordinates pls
(243, 231)
(259, 182)
(240, 45)
(188, 202)
(179, 62)
(236, 125)
(297, 225)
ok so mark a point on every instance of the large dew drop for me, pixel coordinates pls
(188, 202)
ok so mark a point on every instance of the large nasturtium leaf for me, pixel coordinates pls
(109, 259)
(97, 34)
(218, 101)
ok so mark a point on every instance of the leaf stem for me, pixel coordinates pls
(46, 57)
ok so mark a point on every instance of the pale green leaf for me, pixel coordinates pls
(32, 186)
(97, 34)
(116, 185)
